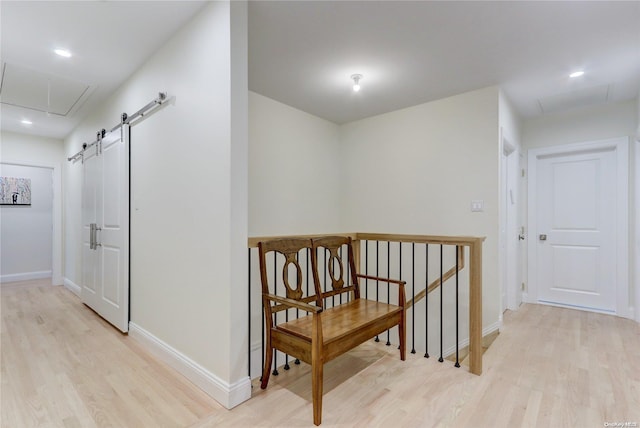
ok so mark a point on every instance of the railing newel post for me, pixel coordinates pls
(475, 307)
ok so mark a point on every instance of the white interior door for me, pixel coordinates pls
(105, 211)
(577, 242)
(91, 200)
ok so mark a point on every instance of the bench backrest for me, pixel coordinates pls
(340, 267)
(285, 277)
(282, 274)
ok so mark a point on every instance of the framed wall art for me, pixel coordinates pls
(15, 191)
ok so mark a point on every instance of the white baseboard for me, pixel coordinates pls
(463, 343)
(26, 276)
(229, 395)
(71, 286)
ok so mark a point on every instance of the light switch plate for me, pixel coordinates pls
(477, 206)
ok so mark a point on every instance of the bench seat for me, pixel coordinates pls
(340, 323)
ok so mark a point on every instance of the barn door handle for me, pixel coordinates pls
(543, 237)
(93, 236)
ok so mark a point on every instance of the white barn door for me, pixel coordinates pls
(105, 224)
(578, 232)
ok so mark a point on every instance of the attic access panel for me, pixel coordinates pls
(34, 90)
(579, 98)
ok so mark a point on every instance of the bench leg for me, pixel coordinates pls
(317, 362)
(268, 360)
(316, 385)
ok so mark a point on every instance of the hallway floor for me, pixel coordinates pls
(63, 366)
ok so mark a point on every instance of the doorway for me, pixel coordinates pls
(578, 224)
(31, 234)
(510, 227)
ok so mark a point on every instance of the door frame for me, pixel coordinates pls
(510, 268)
(56, 250)
(621, 147)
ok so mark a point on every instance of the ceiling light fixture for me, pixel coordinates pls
(356, 81)
(576, 74)
(63, 52)
(26, 122)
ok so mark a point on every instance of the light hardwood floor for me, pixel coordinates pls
(62, 366)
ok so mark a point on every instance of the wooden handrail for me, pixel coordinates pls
(465, 241)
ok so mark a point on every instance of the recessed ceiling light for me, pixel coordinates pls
(26, 122)
(63, 52)
(576, 73)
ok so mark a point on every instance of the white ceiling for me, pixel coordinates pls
(303, 52)
(109, 42)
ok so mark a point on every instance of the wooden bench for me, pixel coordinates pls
(323, 334)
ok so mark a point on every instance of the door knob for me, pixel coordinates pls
(521, 237)
(543, 237)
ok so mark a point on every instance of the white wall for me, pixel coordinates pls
(31, 149)
(295, 171)
(592, 124)
(35, 151)
(585, 124)
(188, 190)
(416, 171)
(411, 171)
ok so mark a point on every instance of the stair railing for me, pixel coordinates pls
(417, 259)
